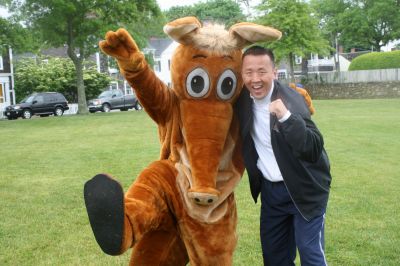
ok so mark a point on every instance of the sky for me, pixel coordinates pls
(3, 12)
(166, 4)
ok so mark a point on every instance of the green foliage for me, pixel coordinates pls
(55, 74)
(300, 32)
(20, 39)
(176, 12)
(376, 60)
(150, 59)
(361, 24)
(225, 12)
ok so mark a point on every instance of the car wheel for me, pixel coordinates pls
(138, 106)
(106, 108)
(26, 114)
(59, 111)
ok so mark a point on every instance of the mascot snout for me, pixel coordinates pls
(205, 127)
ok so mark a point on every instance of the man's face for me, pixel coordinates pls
(258, 74)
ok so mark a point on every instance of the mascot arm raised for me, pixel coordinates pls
(152, 93)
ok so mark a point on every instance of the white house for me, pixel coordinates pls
(326, 64)
(7, 94)
(162, 50)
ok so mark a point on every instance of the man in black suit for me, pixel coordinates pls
(286, 162)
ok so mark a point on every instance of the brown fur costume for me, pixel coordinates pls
(180, 208)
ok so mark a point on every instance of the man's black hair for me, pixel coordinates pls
(259, 50)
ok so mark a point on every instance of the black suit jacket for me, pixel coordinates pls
(298, 147)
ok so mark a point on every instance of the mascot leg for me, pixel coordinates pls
(141, 219)
(149, 206)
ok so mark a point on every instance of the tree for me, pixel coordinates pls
(300, 32)
(56, 74)
(225, 12)
(19, 38)
(80, 24)
(361, 23)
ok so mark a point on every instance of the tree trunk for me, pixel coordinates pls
(291, 71)
(78, 63)
(82, 106)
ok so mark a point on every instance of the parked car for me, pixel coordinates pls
(113, 99)
(42, 104)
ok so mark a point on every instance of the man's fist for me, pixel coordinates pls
(278, 108)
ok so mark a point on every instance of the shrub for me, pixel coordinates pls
(56, 74)
(376, 60)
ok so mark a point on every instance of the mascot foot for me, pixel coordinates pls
(104, 200)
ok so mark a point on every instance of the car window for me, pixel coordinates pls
(39, 99)
(48, 98)
(28, 99)
(118, 93)
(105, 94)
(60, 98)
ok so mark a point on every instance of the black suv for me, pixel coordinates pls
(42, 103)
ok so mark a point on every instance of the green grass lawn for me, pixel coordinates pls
(44, 163)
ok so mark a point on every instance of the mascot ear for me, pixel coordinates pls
(249, 33)
(180, 29)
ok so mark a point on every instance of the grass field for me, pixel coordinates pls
(44, 163)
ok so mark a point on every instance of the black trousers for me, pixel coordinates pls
(283, 228)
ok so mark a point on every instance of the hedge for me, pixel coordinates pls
(376, 60)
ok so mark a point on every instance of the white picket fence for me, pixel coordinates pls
(359, 76)
(73, 109)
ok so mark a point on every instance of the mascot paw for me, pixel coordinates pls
(104, 199)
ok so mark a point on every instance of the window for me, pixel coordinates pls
(48, 98)
(39, 99)
(1, 63)
(297, 59)
(282, 74)
(118, 93)
(157, 66)
(114, 85)
(128, 88)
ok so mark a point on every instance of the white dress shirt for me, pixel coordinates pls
(261, 135)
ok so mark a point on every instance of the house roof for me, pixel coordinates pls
(159, 45)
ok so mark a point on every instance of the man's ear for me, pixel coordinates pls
(276, 73)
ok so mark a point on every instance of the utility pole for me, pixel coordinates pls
(337, 62)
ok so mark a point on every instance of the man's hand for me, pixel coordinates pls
(278, 108)
(122, 47)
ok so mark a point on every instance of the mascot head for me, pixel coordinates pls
(205, 71)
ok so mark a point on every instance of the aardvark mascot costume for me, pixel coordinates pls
(180, 208)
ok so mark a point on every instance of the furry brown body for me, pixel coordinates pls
(181, 208)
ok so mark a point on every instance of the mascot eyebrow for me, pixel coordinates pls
(199, 56)
(204, 56)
